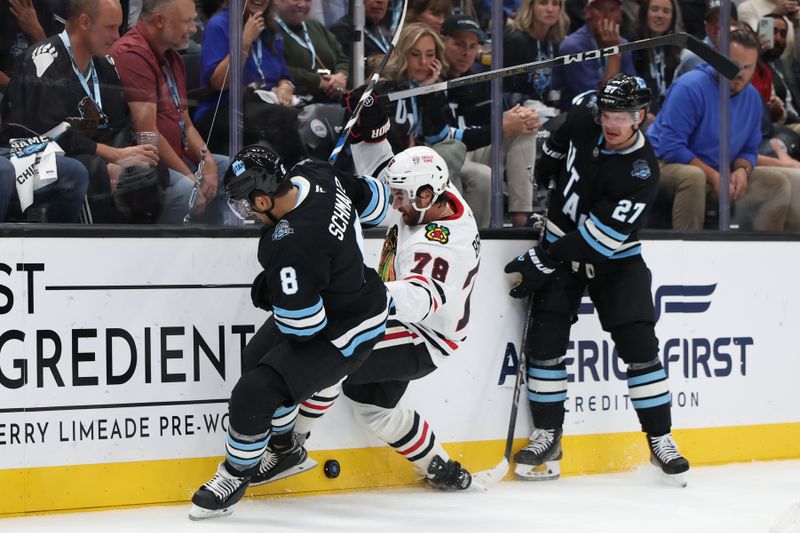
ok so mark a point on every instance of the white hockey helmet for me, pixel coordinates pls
(415, 168)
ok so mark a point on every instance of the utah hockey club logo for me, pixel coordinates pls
(641, 169)
(281, 230)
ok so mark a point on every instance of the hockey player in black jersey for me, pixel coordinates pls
(329, 310)
(429, 262)
(606, 178)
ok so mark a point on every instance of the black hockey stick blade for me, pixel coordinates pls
(722, 64)
(719, 62)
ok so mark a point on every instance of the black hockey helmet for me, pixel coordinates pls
(255, 168)
(623, 93)
(138, 198)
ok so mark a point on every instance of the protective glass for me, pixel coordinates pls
(241, 208)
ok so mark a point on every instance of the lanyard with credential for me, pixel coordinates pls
(308, 45)
(256, 53)
(173, 89)
(601, 69)
(83, 79)
(378, 39)
(657, 71)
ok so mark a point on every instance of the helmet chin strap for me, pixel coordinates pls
(268, 212)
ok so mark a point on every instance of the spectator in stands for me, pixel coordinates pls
(471, 110)
(315, 58)
(690, 60)
(430, 12)
(265, 73)
(601, 30)
(73, 74)
(22, 23)
(656, 66)
(418, 60)
(154, 80)
(7, 182)
(693, 14)
(685, 137)
(535, 35)
(786, 91)
(377, 35)
(750, 11)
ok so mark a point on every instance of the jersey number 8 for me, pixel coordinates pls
(288, 280)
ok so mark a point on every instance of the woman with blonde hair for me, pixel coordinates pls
(418, 60)
(537, 32)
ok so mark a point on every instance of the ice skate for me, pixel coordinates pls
(664, 455)
(279, 464)
(448, 475)
(540, 459)
(217, 496)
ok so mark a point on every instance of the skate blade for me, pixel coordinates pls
(672, 480)
(199, 513)
(476, 486)
(547, 471)
(489, 477)
(306, 465)
(676, 480)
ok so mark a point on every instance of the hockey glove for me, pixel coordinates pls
(373, 122)
(535, 267)
(259, 293)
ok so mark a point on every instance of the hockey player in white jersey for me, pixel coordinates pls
(429, 263)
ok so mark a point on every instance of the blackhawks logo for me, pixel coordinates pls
(437, 233)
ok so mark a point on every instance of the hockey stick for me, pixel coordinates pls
(340, 144)
(719, 62)
(499, 471)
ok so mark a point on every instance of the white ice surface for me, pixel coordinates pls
(741, 498)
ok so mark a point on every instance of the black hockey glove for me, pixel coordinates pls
(373, 122)
(536, 268)
(259, 293)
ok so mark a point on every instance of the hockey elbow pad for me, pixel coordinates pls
(259, 293)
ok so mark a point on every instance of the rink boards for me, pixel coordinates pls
(118, 353)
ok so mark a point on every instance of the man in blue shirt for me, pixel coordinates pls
(603, 18)
(685, 137)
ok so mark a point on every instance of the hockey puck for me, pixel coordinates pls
(332, 468)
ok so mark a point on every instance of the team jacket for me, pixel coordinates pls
(601, 197)
(429, 269)
(313, 259)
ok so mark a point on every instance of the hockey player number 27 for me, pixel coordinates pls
(626, 206)
(288, 280)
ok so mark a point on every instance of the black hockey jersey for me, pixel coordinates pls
(45, 91)
(313, 259)
(601, 197)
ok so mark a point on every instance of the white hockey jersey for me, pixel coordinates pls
(430, 270)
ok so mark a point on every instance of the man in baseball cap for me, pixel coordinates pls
(457, 23)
